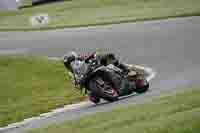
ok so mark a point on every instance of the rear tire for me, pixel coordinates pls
(142, 89)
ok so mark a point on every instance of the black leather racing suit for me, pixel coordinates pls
(110, 58)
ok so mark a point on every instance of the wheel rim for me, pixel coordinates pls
(106, 87)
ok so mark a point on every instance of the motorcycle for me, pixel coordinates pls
(110, 82)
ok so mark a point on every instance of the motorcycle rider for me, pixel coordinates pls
(73, 62)
(103, 59)
(110, 58)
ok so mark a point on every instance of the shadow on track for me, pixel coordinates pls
(120, 99)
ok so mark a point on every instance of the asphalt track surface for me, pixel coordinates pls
(171, 47)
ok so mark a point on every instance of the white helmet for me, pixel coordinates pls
(69, 57)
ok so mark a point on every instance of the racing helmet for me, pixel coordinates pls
(68, 58)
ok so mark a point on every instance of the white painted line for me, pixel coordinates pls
(31, 119)
(71, 107)
(151, 74)
(45, 115)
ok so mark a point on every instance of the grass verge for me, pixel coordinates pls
(30, 86)
(76, 13)
(171, 114)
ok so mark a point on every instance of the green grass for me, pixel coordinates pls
(77, 13)
(30, 86)
(171, 114)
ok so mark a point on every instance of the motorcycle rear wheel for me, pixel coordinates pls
(142, 88)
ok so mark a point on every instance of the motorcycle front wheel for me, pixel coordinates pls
(103, 88)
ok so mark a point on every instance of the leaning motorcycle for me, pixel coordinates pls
(110, 82)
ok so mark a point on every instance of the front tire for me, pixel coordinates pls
(94, 98)
(104, 89)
